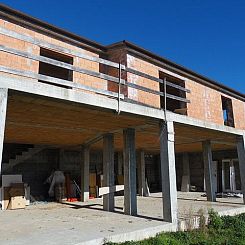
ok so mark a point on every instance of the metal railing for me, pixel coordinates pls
(71, 84)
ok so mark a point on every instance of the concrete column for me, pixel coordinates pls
(141, 173)
(3, 109)
(108, 171)
(85, 174)
(241, 158)
(120, 163)
(129, 157)
(185, 185)
(168, 172)
(208, 171)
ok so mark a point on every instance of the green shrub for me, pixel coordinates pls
(214, 220)
(225, 230)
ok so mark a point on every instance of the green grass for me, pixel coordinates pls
(226, 230)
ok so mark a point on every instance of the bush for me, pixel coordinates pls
(225, 230)
(214, 220)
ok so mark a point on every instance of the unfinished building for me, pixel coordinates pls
(113, 115)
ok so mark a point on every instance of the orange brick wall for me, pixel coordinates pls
(118, 56)
(20, 63)
(13, 61)
(205, 103)
(138, 95)
(238, 112)
(87, 79)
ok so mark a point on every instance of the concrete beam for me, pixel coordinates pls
(108, 171)
(130, 198)
(34, 87)
(168, 172)
(241, 158)
(85, 174)
(185, 185)
(141, 173)
(170, 116)
(3, 110)
(208, 171)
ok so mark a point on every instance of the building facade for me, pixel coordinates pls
(119, 110)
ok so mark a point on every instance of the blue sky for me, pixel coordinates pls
(205, 36)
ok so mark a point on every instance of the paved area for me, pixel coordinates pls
(79, 223)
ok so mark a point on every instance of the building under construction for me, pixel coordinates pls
(117, 114)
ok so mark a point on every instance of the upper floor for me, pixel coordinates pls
(37, 51)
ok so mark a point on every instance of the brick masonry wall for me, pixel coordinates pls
(205, 102)
(239, 113)
(206, 105)
(118, 56)
(20, 63)
(136, 94)
(13, 61)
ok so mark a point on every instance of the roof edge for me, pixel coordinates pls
(146, 54)
(61, 34)
(57, 32)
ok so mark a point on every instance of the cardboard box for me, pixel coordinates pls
(17, 202)
(6, 197)
(17, 189)
(7, 180)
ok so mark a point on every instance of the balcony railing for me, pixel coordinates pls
(118, 80)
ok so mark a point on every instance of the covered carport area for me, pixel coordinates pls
(37, 120)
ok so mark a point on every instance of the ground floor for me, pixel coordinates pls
(77, 223)
(39, 164)
(99, 149)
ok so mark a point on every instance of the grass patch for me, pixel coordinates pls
(227, 230)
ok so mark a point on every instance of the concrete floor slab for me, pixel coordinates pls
(87, 223)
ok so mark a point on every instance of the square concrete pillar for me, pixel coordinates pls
(3, 109)
(129, 157)
(120, 163)
(241, 158)
(185, 185)
(208, 171)
(85, 174)
(108, 171)
(168, 172)
(141, 173)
